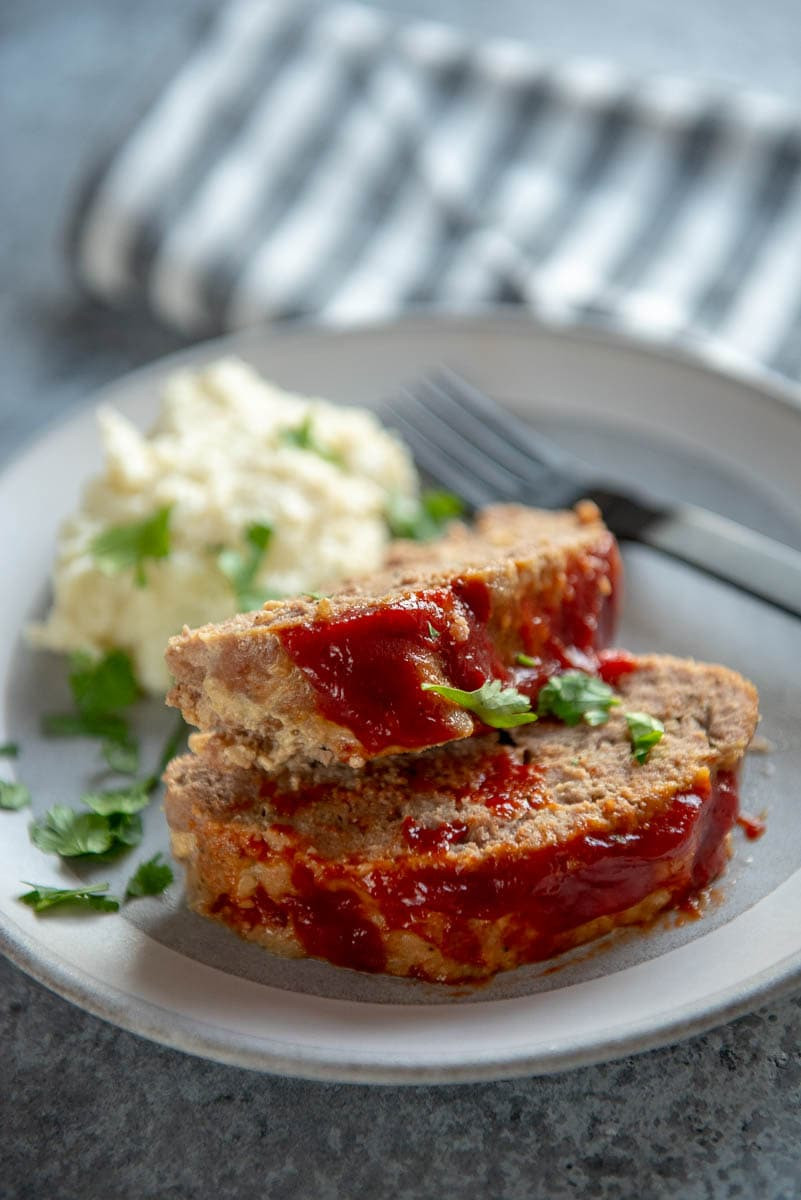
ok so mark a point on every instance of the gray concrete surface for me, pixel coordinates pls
(87, 1111)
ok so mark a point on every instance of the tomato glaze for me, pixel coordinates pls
(537, 895)
(367, 667)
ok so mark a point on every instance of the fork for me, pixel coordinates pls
(467, 442)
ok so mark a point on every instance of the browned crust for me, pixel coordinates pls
(588, 784)
(237, 684)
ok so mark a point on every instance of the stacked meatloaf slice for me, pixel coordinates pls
(314, 831)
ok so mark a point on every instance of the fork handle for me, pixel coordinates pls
(732, 552)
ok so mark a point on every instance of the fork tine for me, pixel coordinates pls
(481, 432)
(446, 439)
(436, 464)
(487, 413)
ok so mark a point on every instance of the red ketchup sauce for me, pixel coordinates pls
(367, 668)
(539, 895)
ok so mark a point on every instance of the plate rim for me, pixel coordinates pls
(145, 1018)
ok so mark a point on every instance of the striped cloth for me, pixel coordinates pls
(329, 161)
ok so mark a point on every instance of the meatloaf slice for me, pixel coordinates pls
(338, 679)
(480, 855)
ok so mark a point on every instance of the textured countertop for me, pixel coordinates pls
(87, 1111)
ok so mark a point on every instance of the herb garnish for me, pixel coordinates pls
(574, 696)
(422, 519)
(150, 878)
(132, 544)
(645, 731)
(113, 822)
(497, 706)
(100, 687)
(525, 660)
(91, 896)
(69, 833)
(9, 750)
(433, 632)
(14, 796)
(241, 568)
(302, 437)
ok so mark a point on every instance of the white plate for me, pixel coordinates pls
(162, 972)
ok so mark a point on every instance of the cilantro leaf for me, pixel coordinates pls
(9, 750)
(70, 833)
(575, 696)
(122, 757)
(14, 796)
(497, 706)
(302, 437)
(433, 632)
(92, 896)
(150, 878)
(645, 731)
(421, 519)
(93, 725)
(126, 831)
(240, 568)
(102, 685)
(125, 800)
(525, 660)
(132, 544)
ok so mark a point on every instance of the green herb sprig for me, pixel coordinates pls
(240, 567)
(133, 544)
(495, 705)
(645, 732)
(150, 878)
(13, 796)
(423, 519)
(575, 696)
(100, 688)
(303, 437)
(93, 896)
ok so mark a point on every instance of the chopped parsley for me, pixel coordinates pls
(645, 731)
(122, 756)
(422, 519)
(525, 660)
(131, 545)
(14, 796)
(100, 687)
(9, 750)
(91, 896)
(302, 437)
(113, 822)
(575, 696)
(150, 878)
(497, 706)
(70, 833)
(107, 726)
(433, 632)
(240, 567)
(120, 801)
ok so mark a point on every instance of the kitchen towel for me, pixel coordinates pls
(327, 161)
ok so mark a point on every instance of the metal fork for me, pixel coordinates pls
(467, 442)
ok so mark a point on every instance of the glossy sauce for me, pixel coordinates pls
(539, 895)
(367, 668)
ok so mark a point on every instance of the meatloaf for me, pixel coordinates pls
(479, 855)
(338, 678)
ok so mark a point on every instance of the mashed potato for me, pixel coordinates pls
(222, 456)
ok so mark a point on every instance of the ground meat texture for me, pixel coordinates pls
(338, 679)
(477, 856)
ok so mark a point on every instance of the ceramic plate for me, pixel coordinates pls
(685, 429)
